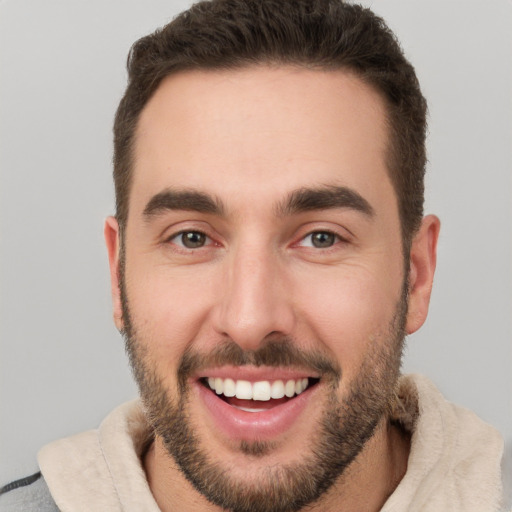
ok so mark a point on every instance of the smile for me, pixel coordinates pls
(257, 407)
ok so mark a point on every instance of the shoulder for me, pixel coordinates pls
(455, 458)
(30, 494)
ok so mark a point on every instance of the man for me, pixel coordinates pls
(268, 255)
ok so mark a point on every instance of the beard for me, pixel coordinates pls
(346, 425)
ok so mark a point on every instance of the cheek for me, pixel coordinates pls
(168, 311)
(348, 311)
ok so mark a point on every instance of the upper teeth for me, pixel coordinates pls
(261, 390)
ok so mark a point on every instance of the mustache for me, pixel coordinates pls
(282, 352)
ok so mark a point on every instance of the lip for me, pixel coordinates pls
(266, 425)
(255, 374)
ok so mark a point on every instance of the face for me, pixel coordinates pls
(263, 293)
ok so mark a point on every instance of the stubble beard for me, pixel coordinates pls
(344, 429)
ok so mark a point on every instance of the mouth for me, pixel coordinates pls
(255, 408)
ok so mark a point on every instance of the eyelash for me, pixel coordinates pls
(335, 241)
(182, 246)
(209, 241)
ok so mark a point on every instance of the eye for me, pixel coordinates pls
(320, 239)
(190, 239)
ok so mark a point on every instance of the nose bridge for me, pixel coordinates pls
(254, 303)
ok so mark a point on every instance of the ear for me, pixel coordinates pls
(111, 232)
(421, 274)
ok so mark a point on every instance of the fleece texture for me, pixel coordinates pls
(454, 463)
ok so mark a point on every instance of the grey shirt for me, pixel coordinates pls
(30, 494)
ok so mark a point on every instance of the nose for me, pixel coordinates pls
(254, 301)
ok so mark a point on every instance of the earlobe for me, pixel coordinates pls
(421, 274)
(112, 240)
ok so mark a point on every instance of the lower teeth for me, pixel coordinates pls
(247, 409)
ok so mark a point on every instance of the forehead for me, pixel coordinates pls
(264, 129)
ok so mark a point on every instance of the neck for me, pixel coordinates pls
(364, 486)
(373, 475)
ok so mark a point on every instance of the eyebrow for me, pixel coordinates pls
(300, 200)
(323, 198)
(189, 200)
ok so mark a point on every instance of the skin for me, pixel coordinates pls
(249, 138)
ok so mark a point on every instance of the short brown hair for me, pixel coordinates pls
(323, 34)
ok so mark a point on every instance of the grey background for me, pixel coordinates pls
(62, 363)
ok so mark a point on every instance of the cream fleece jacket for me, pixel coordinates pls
(454, 464)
